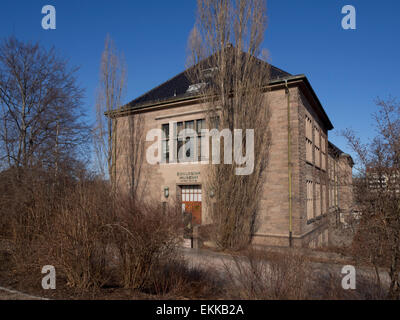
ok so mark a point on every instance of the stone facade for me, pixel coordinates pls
(310, 171)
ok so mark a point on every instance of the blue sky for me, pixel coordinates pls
(347, 68)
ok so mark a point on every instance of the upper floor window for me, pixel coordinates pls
(317, 144)
(323, 153)
(165, 143)
(186, 146)
(309, 140)
(308, 128)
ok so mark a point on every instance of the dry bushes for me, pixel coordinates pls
(291, 276)
(327, 285)
(257, 276)
(57, 223)
(178, 279)
(26, 209)
(145, 237)
(78, 239)
(92, 238)
(102, 240)
(96, 240)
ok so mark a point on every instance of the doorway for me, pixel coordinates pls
(191, 202)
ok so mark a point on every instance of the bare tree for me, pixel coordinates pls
(377, 194)
(225, 61)
(40, 104)
(111, 90)
(136, 155)
(44, 140)
(129, 156)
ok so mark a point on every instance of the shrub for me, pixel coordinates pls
(145, 236)
(178, 279)
(78, 238)
(92, 237)
(258, 276)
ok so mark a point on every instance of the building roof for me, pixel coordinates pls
(337, 152)
(175, 90)
(334, 150)
(178, 86)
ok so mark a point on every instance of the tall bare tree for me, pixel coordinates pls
(42, 122)
(129, 156)
(109, 98)
(377, 194)
(135, 158)
(225, 61)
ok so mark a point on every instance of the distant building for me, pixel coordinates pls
(382, 179)
(317, 165)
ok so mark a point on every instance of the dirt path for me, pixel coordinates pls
(219, 262)
(8, 294)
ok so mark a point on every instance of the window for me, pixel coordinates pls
(309, 156)
(310, 200)
(316, 144)
(323, 211)
(165, 143)
(308, 128)
(179, 144)
(189, 143)
(309, 143)
(317, 137)
(332, 184)
(201, 139)
(191, 194)
(336, 204)
(323, 153)
(187, 148)
(317, 199)
(317, 147)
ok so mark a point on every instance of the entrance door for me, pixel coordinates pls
(191, 202)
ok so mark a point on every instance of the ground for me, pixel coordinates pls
(7, 294)
(16, 286)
